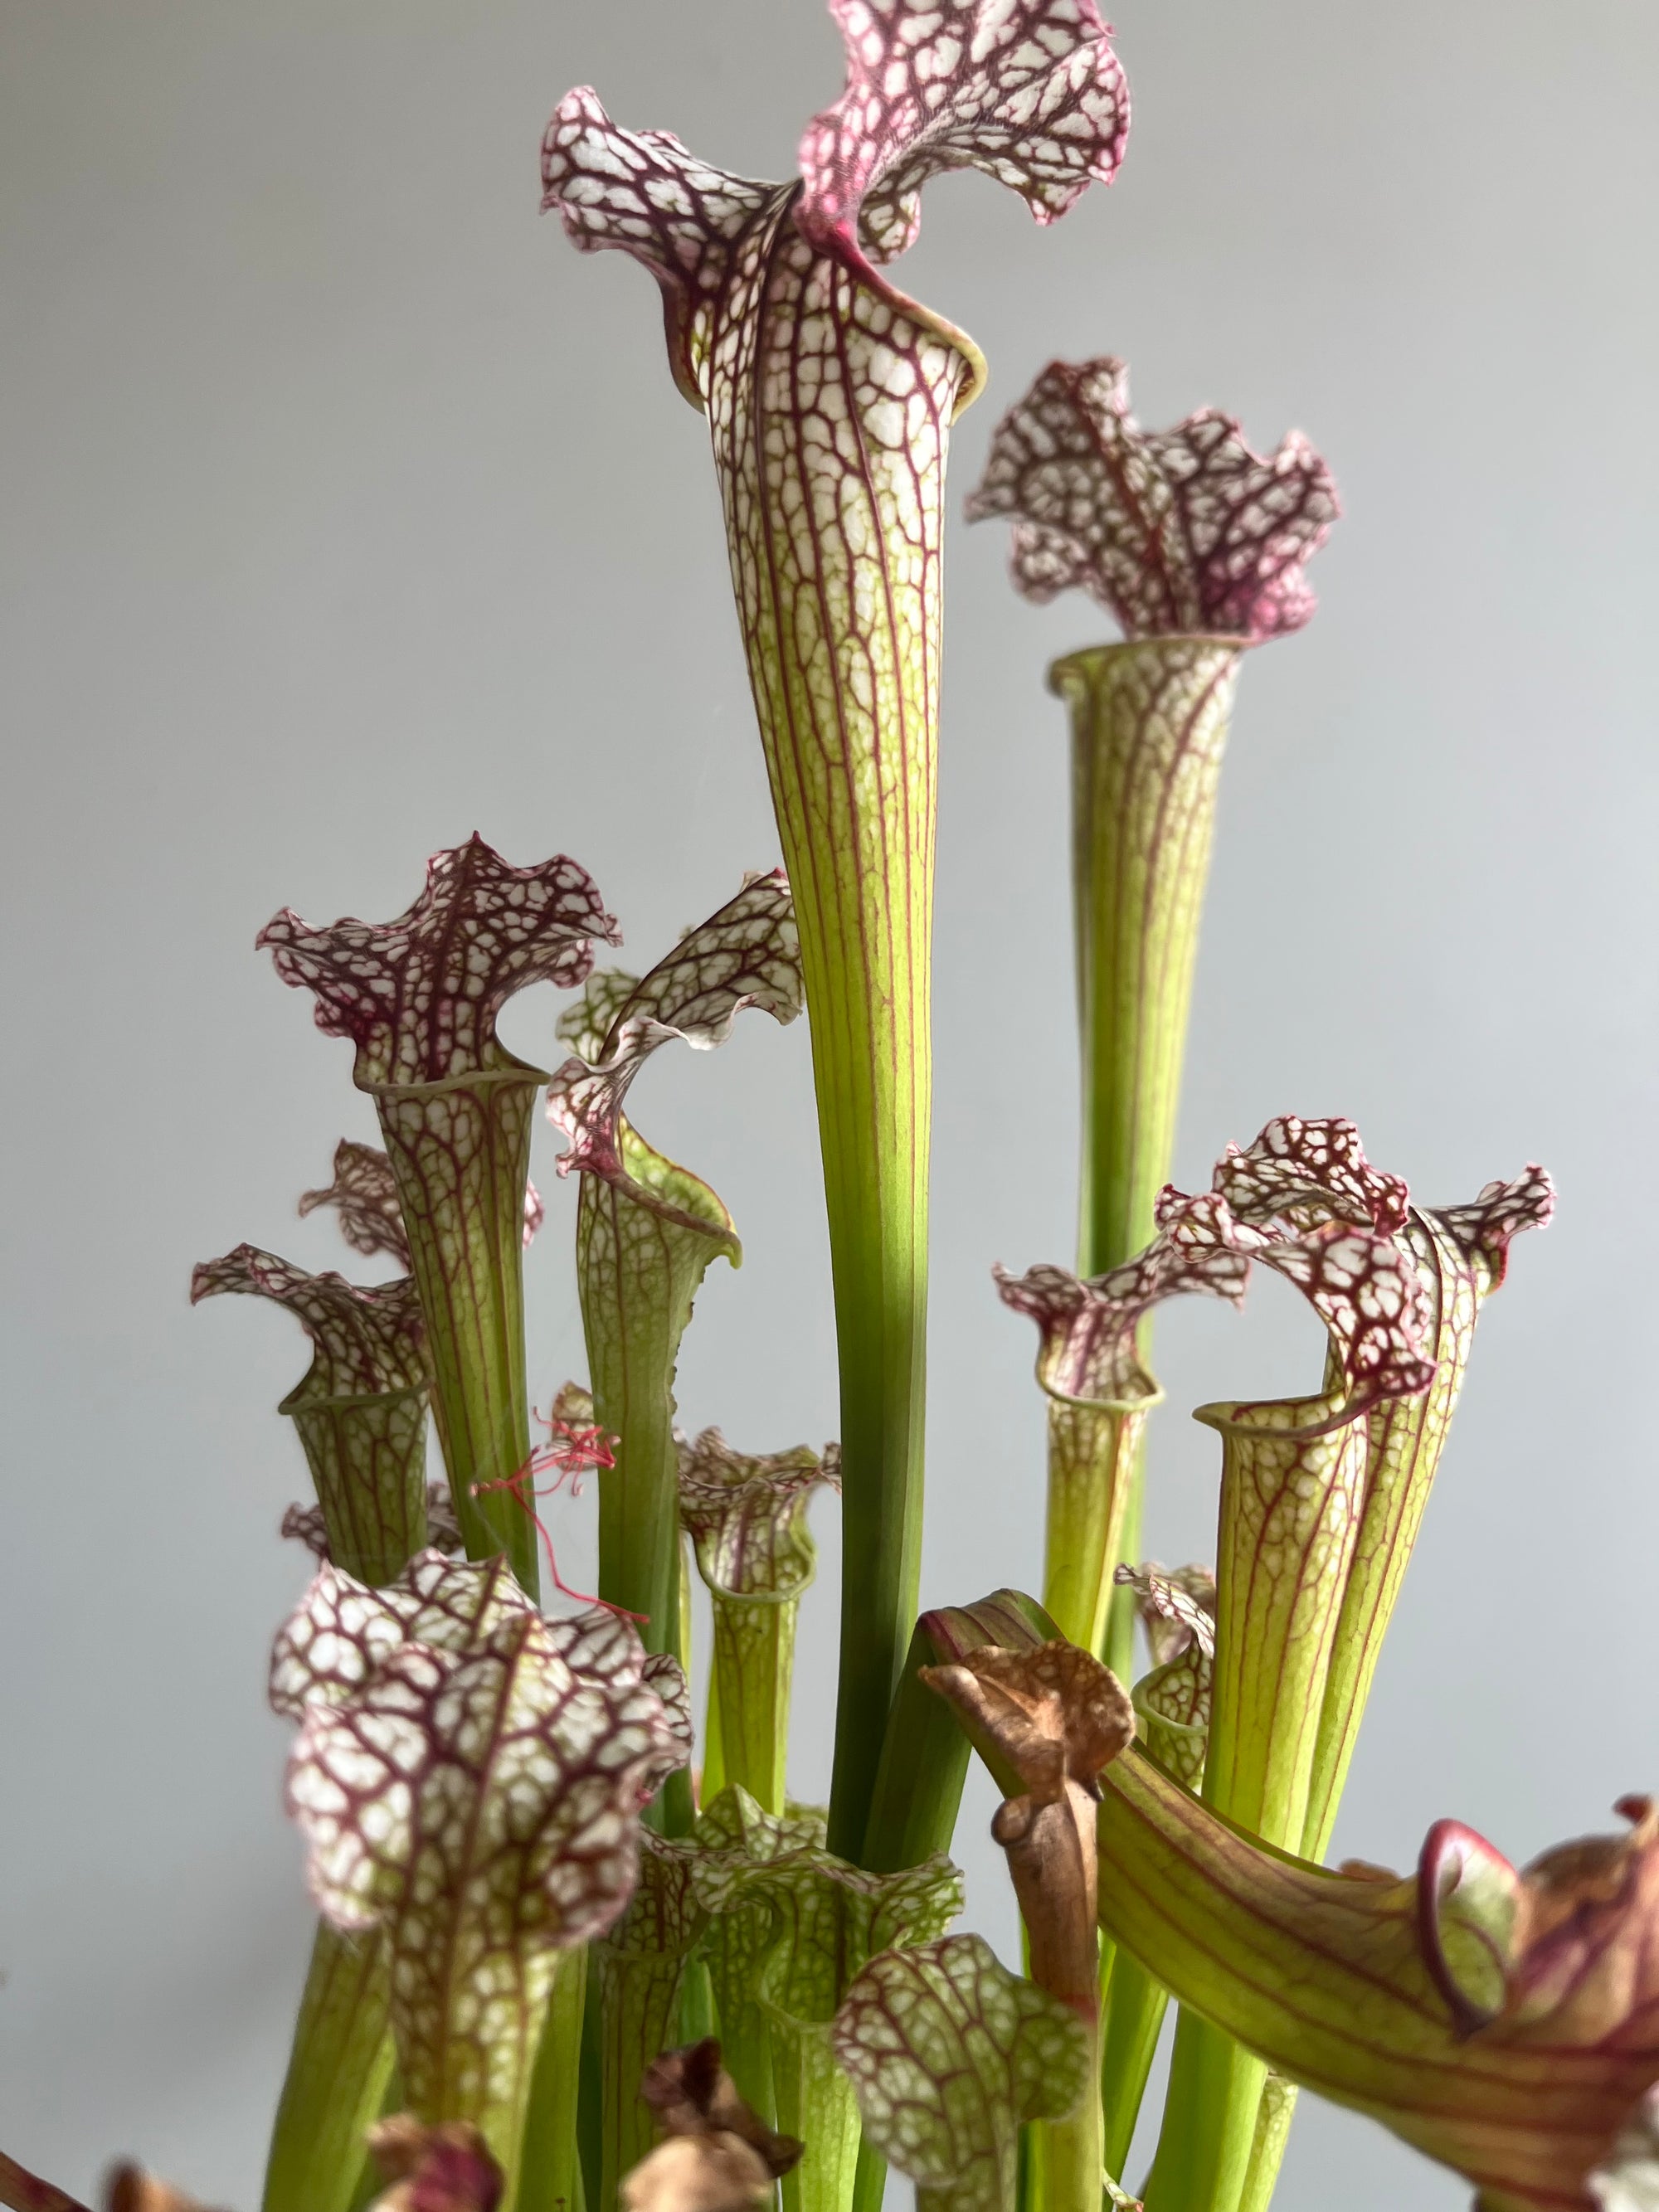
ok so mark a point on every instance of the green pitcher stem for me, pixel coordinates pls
(637, 1273)
(1209, 2121)
(549, 2168)
(816, 2104)
(1149, 725)
(874, 1085)
(337, 2071)
(1132, 2020)
(460, 1156)
(1290, 1510)
(1066, 2156)
(451, 2078)
(835, 520)
(367, 1460)
(639, 2012)
(1272, 2131)
(754, 1660)
(1092, 1452)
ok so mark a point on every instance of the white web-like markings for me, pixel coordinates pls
(364, 1196)
(803, 1920)
(828, 397)
(419, 996)
(747, 954)
(1178, 1611)
(1304, 1199)
(746, 1513)
(469, 1777)
(1031, 93)
(948, 2053)
(1173, 1699)
(1181, 532)
(1087, 1327)
(367, 1340)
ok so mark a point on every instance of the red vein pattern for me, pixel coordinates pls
(365, 1197)
(1304, 1174)
(365, 1342)
(419, 997)
(948, 2053)
(746, 1514)
(1173, 1701)
(364, 1194)
(646, 1228)
(1461, 1255)
(1185, 531)
(792, 1924)
(830, 397)
(747, 954)
(1177, 1610)
(1321, 1495)
(1031, 94)
(1087, 1326)
(1338, 1980)
(1099, 1393)
(359, 1410)
(468, 1777)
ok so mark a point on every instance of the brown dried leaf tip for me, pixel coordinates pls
(717, 2155)
(26, 2192)
(442, 2169)
(130, 2189)
(1055, 1714)
(1058, 1718)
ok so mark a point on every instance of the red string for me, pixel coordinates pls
(570, 1452)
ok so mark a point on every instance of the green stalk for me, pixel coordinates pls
(754, 1660)
(337, 2071)
(1290, 1492)
(638, 1269)
(1461, 1255)
(367, 1459)
(817, 2106)
(746, 1517)
(641, 1966)
(1148, 726)
(924, 1753)
(1172, 1707)
(1094, 1459)
(360, 1413)
(1133, 2012)
(460, 1156)
(549, 2168)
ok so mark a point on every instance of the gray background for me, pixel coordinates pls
(347, 510)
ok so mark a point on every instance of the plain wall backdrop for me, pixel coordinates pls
(347, 510)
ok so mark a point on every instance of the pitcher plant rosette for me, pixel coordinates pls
(575, 1952)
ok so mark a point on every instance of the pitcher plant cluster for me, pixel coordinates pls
(577, 1946)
